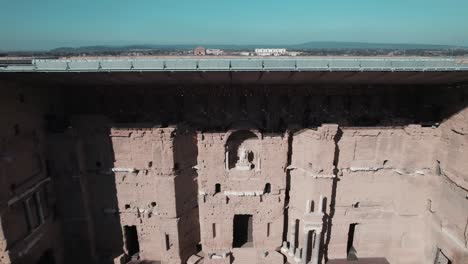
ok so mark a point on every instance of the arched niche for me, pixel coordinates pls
(242, 151)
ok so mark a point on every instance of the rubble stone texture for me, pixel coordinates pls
(240, 174)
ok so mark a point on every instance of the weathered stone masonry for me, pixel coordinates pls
(246, 175)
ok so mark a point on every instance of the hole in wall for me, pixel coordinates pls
(150, 164)
(21, 98)
(242, 231)
(296, 239)
(47, 257)
(267, 188)
(356, 205)
(153, 204)
(324, 205)
(127, 206)
(168, 242)
(16, 129)
(351, 252)
(131, 240)
(312, 206)
(217, 188)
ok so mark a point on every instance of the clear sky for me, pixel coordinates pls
(45, 24)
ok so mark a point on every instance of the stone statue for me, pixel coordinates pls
(243, 162)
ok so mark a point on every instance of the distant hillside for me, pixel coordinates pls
(304, 46)
(363, 45)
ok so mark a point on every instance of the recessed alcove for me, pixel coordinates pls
(242, 151)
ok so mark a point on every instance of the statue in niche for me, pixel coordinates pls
(243, 162)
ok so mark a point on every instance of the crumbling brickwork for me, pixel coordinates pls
(239, 174)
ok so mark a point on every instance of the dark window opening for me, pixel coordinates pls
(214, 230)
(356, 205)
(217, 188)
(308, 251)
(47, 257)
(150, 164)
(324, 205)
(242, 231)
(127, 206)
(267, 188)
(350, 250)
(131, 240)
(168, 242)
(16, 130)
(198, 247)
(21, 98)
(153, 204)
(312, 206)
(296, 240)
(268, 229)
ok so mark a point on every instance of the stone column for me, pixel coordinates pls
(292, 238)
(316, 249)
(226, 162)
(320, 205)
(305, 247)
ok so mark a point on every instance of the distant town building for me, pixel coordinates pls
(244, 53)
(294, 53)
(199, 51)
(270, 52)
(216, 52)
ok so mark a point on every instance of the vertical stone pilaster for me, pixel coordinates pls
(305, 246)
(316, 249)
(292, 238)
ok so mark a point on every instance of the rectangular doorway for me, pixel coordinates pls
(242, 232)
(131, 240)
(350, 250)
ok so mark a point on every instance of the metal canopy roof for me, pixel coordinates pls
(289, 64)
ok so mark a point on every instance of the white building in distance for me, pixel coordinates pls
(270, 52)
(216, 52)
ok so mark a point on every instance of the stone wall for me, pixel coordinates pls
(242, 191)
(175, 166)
(29, 228)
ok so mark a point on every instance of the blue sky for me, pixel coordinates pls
(45, 24)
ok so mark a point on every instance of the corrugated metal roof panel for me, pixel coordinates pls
(279, 64)
(83, 65)
(242, 64)
(219, 65)
(246, 64)
(156, 65)
(181, 64)
(307, 64)
(116, 65)
(51, 65)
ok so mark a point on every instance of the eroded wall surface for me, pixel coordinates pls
(162, 174)
(29, 226)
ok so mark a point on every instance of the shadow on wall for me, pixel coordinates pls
(81, 157)
(328, 218)
(81, 160)
(272, 108)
